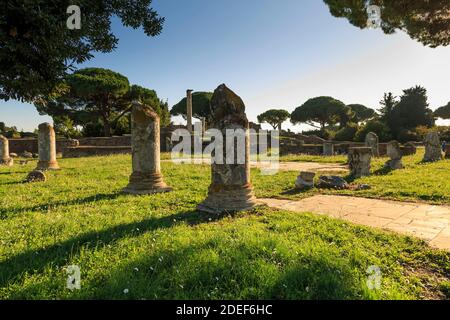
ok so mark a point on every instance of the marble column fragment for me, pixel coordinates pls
(231, 189)
(145, 143)
(47, 148)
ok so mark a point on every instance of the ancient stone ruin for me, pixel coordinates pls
(230, 189)
(332, 182)
(433, 151)
(47, 148)
(394, 152)
(36, 176)
(328, 149)
(359, 161)
(145, 143)
(372, 143)
(305, 180)
(5, 159)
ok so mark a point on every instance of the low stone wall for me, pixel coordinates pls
(30, 144)
(92, 151)
(19, 146)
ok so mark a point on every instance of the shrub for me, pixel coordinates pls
(376, 126)
(347, 133)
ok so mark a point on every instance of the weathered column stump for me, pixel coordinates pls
(359, 161)
(5, 158)
(145, 135)
(394, 152)
(47, 148)
(305, 180)
(433, 151)
(372, 142)
(230, 189)
(328, 149)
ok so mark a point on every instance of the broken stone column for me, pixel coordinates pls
(433, 151)
(5, 159)
(145, 144)
(230, 189)
(328, 149)
(305, 180)
(47, 148)
(394, 152)
(189, 110)
(359, 161)
(372, 142)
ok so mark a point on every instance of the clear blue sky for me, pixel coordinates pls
(274, 54)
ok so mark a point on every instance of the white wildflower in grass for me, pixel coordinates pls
(125, 291)
(136, 269)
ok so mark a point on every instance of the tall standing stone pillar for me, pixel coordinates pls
(433, 151)
(47, 148)
(230, 189)
(145, 144)
(189, 110)
(5, 159)
(372, 142)
(203, 125)
(328, 149)
(394, 152)
(359, 161)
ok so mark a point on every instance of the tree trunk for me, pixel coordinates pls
(106, 126)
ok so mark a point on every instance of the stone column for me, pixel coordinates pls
(189, 110)
(359, 161)
(203, 125)
(5, 159)
(47, 148)
(230, 189)
(433, 151)
(328, 149)
(145, 144)
(372, 142)
(394, 152)
(305, 180)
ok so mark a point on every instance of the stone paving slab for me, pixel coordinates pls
(428, 222)
(284, 166)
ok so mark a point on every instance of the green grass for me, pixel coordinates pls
(160, 247)
(310, 158)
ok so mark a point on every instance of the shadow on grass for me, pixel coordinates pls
(34, 261)
(5, 212)
(383, 171)
(291, 192)
(193, 272)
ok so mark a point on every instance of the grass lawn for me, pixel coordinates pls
(160, 247)
(311, 158)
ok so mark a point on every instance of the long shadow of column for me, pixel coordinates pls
(34, 261)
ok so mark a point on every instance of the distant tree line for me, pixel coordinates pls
(404, 118)
(97, 102)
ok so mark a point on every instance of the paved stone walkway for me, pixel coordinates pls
(428, 222)
(291, 166)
